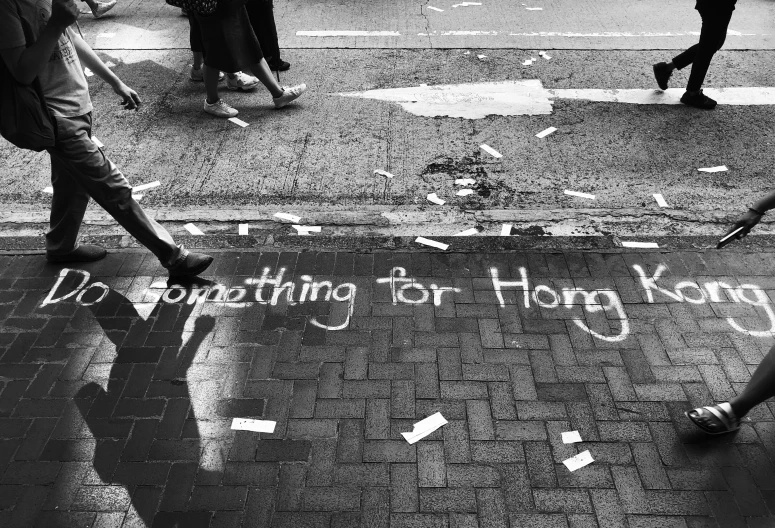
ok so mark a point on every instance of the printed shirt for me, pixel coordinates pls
(62, 79)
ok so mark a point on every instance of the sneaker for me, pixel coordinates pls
(289, 95)
(662, 74)
(103, 7)
(241, 81)
(199, 76)
(83, 253)
(701, 101)
(189, 264)
(220, 109)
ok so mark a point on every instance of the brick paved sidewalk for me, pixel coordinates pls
(118, 390)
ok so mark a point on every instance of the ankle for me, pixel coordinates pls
(739, 408)
(213, 101)
(278, 94)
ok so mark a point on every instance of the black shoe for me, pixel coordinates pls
(662, 74)
(701, 101)
(83, 253)
(189, 264)
(279, 66)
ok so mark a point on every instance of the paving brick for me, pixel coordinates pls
(351, 443)
(219, 497)
(447, 500)
(540, 464)
(456, 442)
(331, 499)
(480, 424)
(283, 451)
(431, 467)
(538, 520)
(516, 430)
(344, 408)
(491, 508)
(418, 520)
(101, 498)
(388, 451)
(404, 494)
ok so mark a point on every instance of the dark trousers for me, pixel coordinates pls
(261, 15)
(715, 21)
(80, 170)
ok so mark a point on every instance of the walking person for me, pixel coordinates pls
(716, 15)
(261, 15)
(79, 169)
(725, 417)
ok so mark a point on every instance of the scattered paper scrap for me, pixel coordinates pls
(465, 192)
(466, 4)
(544, 133)
(660, 200)
(488, 149)
(425, 427)
(506, 230)
(289, 217)
(48, 190)
(571, 437)
(146, 186)
(137, 197)
(306, 230)
(432, 243)
(386, 174)
(465, 181)
(88, 72)
(547, 57)
(194, 230)
(642, 245)
(258, 426)
(528, 62)
(432, 197)
(237, 121)
(481, 57)
(435, 9)
(97, 142)
(243, 229)
(579, 461)
(720, 168)
(466, 53)
(534, 8)
(110, 64)
(580, 194)
(468, 232)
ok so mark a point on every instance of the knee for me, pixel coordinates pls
(121, 199)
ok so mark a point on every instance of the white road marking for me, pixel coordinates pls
(434, 198)
(660, 200)
(146, 186)
(488, 149)
(506, 230)
(328, 33)
(459, 34)
(291, 218)
(580, 194)
(386, 174)
(642, 245)
(435, 9)
(238, 121)
(544, 133)
(466, 4)
(468, 232)
(431, 243)
(194, 230)
(242, 229)
(622, 34)
(720, 168)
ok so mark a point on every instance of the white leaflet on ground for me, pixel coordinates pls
(243, 229)
(88, 72)
(110, 64)
(466, 53)
(465, 181)
(97, 142)
(258, 426)
(194, 230)
(506, 230)
(237, 121)
(660, 200)
(425, 427)
(481, 57)
(435, 9)
(433, 198)
(431, 243)
(547, 57)
(720, 168)
(289, 217)
(580, 194)
(466, 4)
(304, 229)
(571, 437)
(465, 192)
(48, 190)
(542, 53)
(642, 245)
(146, 186)
(534, 8)
(137, 197)
(579, 461)
(488, 149)
(528, 62)
(386, 174)
(468, 232)
(546, 132)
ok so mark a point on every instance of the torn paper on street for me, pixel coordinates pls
(488, 149)
(432, 197)
(48, 190)
(289, 217)
(468, 232)
(386, 174)
(137, 197)
(720, 168)
(431, 243)
(194, 230)
(571, 437)
(88, 72)
(579, 461)
(660, 200)
(528, 62)
(465, 192)
(466, 4)
(465, 181)
(110, 64)
(435, 9)
(580, 194)
(534, 8)
(237, 121)
(146, 186)
(481, 57)
(97, 142)
(642, 245)
(546, 132)
(305, 230)
(257, 426)
(425, 427)
(506, 230)
(243, 229)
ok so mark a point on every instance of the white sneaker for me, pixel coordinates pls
(289, 95)
(103, 7)
(241, 81)
(199, 76)
(220, 109)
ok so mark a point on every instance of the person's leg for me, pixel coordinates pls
(712, 36)
(264, 74)
(261, 15)
(211, 83)
(68, 205)
(759, 388)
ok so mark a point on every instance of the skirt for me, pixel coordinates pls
(228, 40)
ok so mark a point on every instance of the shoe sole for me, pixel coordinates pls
(656, 76)
(195, 271)
(698, 107)
(286, 103)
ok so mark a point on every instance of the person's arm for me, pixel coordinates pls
(754, 215)
(91, 60)
(26, 63)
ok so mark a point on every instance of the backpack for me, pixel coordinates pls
(25, 119)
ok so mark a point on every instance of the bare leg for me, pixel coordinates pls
(264, 74)
(761, 386)
(211, 84)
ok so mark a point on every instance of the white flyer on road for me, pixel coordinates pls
(258, 426)
(425, 427)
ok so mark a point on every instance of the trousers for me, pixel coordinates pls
(715, 21)
(79, 171)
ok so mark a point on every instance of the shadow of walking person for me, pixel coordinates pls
(148, 388)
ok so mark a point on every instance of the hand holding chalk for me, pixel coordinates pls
(741, 228)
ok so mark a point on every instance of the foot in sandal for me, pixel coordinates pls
(715, 419)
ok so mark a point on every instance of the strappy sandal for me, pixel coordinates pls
(713, 419)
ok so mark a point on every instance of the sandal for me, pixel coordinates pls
(714, 420)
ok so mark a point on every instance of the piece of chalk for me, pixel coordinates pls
(435, 9)
(97, 142)
(237, 121)
(257, 426)
(571, 437)
(720, 168)
(465, 181)
(433, 198)
(146, 186)
(580, 194)
(579, 461)
(285, 216)
(243, 229)
(194, 230)
(386, 174)
(488, 149)
(733, 233)
(468, 232)
(660, 200)
(432, 243)
(546, 132)
(506, 230)
(642, 245)
(465, 192)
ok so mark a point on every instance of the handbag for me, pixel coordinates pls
(25, 119)
(200, 7)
